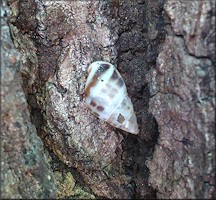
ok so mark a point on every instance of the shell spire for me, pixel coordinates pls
(107, 97)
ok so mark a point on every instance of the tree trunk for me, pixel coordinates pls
(24, 171)
(183, 103)
(165, 52)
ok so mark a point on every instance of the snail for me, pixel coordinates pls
(107, 97)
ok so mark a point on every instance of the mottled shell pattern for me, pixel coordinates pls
(107, 97)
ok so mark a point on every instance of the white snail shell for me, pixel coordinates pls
(107, 97)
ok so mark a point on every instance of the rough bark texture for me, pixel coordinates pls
(183, 103)
(59, 39)
(24, 172)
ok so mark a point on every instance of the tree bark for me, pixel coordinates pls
(165, 53)
(24, 171)
(183, 103)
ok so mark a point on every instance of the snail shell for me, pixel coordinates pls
(107, 97)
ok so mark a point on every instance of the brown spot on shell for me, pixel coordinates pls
(93, 103)
(91, 84)
(121, 118)
(100, 108)
(103, 68)
(120, 82)
(114, 75)
(89, 70)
